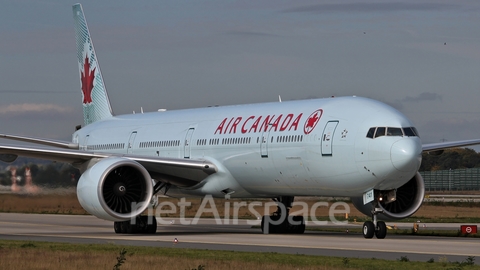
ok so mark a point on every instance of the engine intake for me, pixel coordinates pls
(409, 199)
(115, 189)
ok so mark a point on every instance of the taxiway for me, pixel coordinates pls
(239, 237)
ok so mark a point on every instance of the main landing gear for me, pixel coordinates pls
(280, 222)
(142, 224)
(377, 228)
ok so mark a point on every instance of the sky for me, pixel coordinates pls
(421, 57)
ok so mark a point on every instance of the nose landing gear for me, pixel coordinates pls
(377, 228)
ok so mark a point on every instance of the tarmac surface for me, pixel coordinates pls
(244, 237)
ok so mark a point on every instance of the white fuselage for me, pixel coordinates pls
(297, 148)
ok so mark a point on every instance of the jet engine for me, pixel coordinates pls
(409, 198)
(115, 189)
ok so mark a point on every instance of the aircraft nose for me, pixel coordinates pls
(406, 155)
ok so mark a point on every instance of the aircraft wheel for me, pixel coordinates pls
(123, 226)
(152, 228)
(267, 227)
(299, 228)
(381, 231)
(131, 228)
(117, 227)
(368, 229)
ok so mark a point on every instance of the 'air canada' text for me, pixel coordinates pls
(254, 124)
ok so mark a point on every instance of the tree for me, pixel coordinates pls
(456, 158)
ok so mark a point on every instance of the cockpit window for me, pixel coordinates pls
(380, 132)
(375, 132)
(410, 131)
(394, 131)
(371, 132)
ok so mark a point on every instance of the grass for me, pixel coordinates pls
(44, 255)
(42, 204)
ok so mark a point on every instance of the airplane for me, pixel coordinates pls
(338, 146)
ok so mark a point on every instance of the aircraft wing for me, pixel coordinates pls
(176, 171)
(445, 145)
(55, 143)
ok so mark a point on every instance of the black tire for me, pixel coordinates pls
(299, 228)
(368, 229)
(117, 227)
(276, 228)
(152, 228)
(131, 228)
(123, 226)
(271, 229)
(381, 231)
(142, 226)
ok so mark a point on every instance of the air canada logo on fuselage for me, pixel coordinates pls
(266, 123)
(312, 121)
(259, 123)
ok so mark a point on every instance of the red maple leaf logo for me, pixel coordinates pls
(312, 121)
(87, 81)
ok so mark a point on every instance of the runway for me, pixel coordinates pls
(242, 237)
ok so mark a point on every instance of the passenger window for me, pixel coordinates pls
(380, 132)
(371, 132)
(394, 132)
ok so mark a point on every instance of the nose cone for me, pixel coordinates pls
(406, 155)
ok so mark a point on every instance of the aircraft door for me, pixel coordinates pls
(85, 143)
(327, 138)
(131, 140)
(188, 139)
(264, 143)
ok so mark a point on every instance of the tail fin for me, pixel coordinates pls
(96, 105)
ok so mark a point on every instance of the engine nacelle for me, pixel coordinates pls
(115, 189)
(409, 199)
